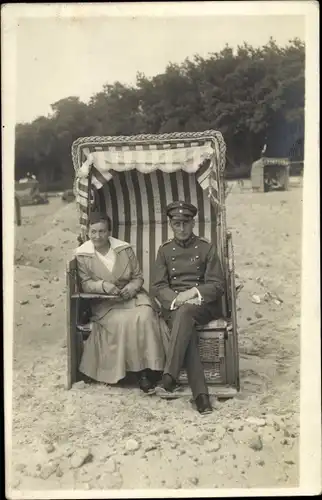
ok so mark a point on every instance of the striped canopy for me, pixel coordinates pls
(97, 160)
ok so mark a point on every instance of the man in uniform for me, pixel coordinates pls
(188, 282)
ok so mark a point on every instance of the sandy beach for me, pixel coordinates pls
(98, 437)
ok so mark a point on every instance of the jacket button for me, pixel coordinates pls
(197, 256)
(173, 258)
(174, 277)
(196, 246)
(198, 267)
(197, 284)
(173, 269)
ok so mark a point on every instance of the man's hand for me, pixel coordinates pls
(110, 289)
(128, 292)
(183, 297)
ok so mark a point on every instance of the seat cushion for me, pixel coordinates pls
(215, 324)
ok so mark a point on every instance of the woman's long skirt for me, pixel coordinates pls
(131, 339)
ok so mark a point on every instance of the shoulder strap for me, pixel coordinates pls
(205, 240)
(166, 243)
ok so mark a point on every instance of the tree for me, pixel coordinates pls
(115, 110)
(252, 95)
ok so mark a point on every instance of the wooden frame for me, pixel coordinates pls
(17, 211)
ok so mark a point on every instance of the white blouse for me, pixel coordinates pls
(108, 260)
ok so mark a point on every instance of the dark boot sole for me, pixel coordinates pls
(205, 412)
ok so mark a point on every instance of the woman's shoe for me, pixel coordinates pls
(146, 385)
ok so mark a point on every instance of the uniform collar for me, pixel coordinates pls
(187, 243)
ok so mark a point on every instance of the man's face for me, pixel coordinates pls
(99, 234)
(182, 229)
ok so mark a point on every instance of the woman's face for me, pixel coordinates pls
(99, 234)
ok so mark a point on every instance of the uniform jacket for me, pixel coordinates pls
(178, 268)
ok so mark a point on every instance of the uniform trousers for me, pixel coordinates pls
(183, 343)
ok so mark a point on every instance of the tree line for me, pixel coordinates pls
(254, 96)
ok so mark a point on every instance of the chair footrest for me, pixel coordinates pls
(216, 390)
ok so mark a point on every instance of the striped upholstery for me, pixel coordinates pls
(136, 203)
(204, 174)
(97, 158)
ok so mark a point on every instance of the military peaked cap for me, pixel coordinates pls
(181, 210)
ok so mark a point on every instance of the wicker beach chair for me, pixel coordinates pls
(133, 179)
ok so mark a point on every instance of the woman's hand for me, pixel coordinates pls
(128, 292)
(110, 288)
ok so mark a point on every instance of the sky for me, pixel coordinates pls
(60, 57)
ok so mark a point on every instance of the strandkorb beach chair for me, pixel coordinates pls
(133, 178)
(270, 174)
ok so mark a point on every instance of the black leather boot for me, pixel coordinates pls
(203, 404)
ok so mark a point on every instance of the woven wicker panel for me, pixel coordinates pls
(212, 349)
(212, 354)
(212, 375)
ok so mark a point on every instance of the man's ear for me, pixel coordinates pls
(193, 223)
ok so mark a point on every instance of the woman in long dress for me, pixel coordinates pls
(126, 333)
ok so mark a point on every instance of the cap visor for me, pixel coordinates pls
(181, 217)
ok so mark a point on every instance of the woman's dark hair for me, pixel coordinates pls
(99, 217)
(109, 223)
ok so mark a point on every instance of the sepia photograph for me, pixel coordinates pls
(158, 159)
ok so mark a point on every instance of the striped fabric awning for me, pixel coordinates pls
(145, 159)
(137, 205)
(97, 160)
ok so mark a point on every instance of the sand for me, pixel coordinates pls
(96, 437)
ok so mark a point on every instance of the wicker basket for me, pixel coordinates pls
(213, 375)
(212, 353)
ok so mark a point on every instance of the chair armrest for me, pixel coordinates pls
(82, 295)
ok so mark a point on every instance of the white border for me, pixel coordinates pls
(162, 9)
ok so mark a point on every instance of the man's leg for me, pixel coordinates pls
(183, 345)
(195, 371)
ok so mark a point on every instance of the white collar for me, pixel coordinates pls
(88, 248)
